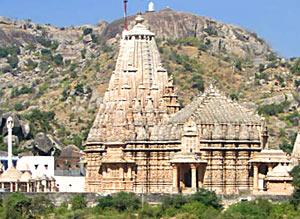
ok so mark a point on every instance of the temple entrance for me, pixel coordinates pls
(187, 179)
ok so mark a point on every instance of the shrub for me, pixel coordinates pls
(295, 69)
(259, 209)
(121, 201)
(16, 205)
(3, 52)
(234, 96)
(31, 64)
(207, 198)
(238, 65)
(18, 107)
(87, 31)
(286, 147)
(174, 201)
(20, 91)
(39, 120)
(197, 82)
(293, 118)
(44, 41)
(78, 202)
(273, 109)
(105, 202)
(126, 201)
(40, 206)
(295, 199)
(47, 54)
(13, 61)
(262, 75)
(58, 59)
(95, 39)
(211, 31)
(83, 53)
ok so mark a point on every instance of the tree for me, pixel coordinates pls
(258, 209)
(40, 206)
(13, 61)
(58, 59)
(295, 199)
(207, 198)
(78, 202)
(16, 206)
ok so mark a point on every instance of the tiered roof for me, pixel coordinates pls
(214, 107)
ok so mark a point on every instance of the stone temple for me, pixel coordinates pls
(142, 142)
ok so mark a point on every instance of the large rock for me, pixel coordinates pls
(168, 24)
(288, 97)
(45, 145)
(21, 128)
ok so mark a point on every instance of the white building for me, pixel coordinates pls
(151, 7)
(70, 183)
(38, 165)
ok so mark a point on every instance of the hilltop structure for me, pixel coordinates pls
(142, 142)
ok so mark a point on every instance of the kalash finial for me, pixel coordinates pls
(139, 19)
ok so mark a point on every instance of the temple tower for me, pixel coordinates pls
(140, 96)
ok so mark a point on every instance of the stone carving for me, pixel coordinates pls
(142, 142)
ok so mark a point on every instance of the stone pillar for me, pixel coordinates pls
(11, 187)
(10, 125)
(27, 185)
(38, 186)
(200, 172)
(129, 174)
(175, 179)
(17, 186)
(2, 185)
(121, 175)
(255, 177)
(194, 177)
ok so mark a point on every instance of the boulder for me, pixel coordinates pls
(45, 145)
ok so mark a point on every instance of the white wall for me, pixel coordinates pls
(70, 183)
(38, 165)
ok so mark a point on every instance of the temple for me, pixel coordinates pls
(142, 142)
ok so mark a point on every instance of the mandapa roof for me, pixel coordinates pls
(214, 107)
(11, 175)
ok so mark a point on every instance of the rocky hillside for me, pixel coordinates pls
(54, 78)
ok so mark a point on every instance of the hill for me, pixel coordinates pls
(64, 71)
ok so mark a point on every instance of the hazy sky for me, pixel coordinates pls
(277, 21)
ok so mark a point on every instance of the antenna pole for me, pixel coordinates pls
(125, 15)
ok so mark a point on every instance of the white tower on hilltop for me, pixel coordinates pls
(151, 7)
(9, 125)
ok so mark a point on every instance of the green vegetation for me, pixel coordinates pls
(203, 204)
(13, 61)
(11, 50)
(273, 109)
(295, 69)
(47, 43)
(295, 200)
(87, 31)
(31, 64)
(78, 202)
(288, 142)
(40, 121)
(18, 107)
(22, 90)
(58, 59)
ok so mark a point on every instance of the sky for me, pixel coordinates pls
(277, 21)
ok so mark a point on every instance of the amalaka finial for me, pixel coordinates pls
(139, 19)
